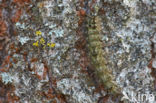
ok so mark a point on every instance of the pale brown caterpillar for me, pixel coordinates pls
(96, 56)
(98, 23)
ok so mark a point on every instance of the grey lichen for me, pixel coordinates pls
(6, 78)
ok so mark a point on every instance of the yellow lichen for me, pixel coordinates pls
(36, 44)
(51, 45)
(38, 33)
(42, 41)
(44, 46)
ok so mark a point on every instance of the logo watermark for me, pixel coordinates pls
(138, 97)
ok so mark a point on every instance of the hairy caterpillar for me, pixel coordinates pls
(90, 46)
(95, 54)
